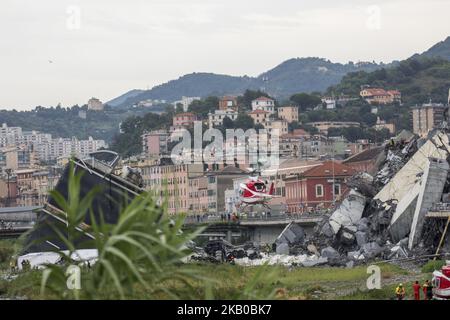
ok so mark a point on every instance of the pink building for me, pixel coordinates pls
(155, 143)
(184, 120)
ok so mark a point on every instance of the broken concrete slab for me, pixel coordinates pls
(349, 212)
(351, 229)
(327, 230)
(315, 262)
(362, 225)
(361, 238)
(434, 179)
(353, 255)
(371, 249)
(400, 224)
(282, 248)
(293, 233)
(330, 253)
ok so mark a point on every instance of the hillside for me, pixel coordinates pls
(291, 76)
(440, 49)
(121, 99)
(308, 75)
(419, 80)
(65, 123)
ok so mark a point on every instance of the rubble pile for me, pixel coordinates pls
(383, 216)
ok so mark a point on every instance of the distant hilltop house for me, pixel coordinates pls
(380, 96)
(145, 103)
(228, 102)
(264, 104)
(95, 104)
(333, 102)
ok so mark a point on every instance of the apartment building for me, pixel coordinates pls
(216, 119)
(427, 117)
(264, 104)
(288, 113)
(155, 143)
(170, 183)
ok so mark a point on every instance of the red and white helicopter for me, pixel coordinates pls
(255, 191)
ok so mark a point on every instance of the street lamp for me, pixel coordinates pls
(297, 188)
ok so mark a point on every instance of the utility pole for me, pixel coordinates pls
(8, 173)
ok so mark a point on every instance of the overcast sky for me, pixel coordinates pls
(68, 51)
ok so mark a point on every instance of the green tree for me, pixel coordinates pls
(249, 95)
(243, 121)
(202, 107)
(179, 108)
(227, 123)
(305, 101)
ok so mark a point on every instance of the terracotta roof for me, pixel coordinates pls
(376, 91)
(297, 133)
(326, 170)
(365, 155)
(258, 111)
(394, 92)
(263, 99)
(228, 98)
(300, 132)
(184, 114)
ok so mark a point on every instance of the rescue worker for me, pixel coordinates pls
(416, 289)
(425, 289)
(429, 293)
(13, 265)
(400, 292)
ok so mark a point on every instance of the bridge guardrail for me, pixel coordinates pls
(441, 206)
(265, 218)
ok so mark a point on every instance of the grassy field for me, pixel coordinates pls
(229, 281)
(225, 281)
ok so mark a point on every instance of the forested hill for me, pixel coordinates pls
(419, 80)
(291, 76)
(69, 122)
(440, 49)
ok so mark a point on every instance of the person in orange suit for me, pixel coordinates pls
(416, 289)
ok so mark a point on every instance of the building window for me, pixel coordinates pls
(319, 190)
(337, 189)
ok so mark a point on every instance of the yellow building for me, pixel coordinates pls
(380, 96)
(259, 116)
(289, 113)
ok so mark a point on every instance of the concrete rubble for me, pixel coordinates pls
(383, 217)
